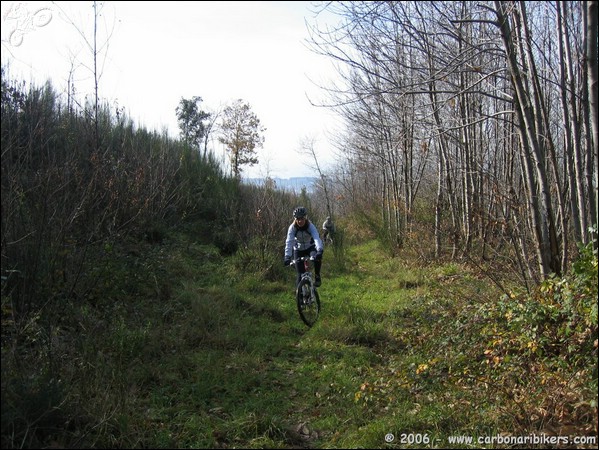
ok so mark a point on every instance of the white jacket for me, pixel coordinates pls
(302, 239)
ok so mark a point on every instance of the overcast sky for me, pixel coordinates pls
(159, 52)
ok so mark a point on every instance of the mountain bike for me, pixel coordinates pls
(308, 300)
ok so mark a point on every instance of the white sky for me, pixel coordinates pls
(160, 52)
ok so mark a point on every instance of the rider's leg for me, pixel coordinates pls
(299, 266)
(317, 266)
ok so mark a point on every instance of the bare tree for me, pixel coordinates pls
(307, 145)
(592, 177)
(97, 50)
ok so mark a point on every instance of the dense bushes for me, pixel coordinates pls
(68, 192)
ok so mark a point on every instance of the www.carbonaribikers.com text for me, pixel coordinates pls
(534, 439)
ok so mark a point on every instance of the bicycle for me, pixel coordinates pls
(306, 295)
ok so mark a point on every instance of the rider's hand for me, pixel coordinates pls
(287, 262)
(318, 256)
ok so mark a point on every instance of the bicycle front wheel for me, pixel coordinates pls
(308, 302)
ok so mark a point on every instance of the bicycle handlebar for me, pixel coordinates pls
(302, 258)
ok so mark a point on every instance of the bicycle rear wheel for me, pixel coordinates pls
(308, 306)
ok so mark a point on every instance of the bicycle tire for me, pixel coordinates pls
(310, 310)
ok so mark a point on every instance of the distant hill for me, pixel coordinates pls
(289, 184)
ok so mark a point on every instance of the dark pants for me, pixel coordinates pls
(299, 265)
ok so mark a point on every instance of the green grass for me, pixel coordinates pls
(206, 355)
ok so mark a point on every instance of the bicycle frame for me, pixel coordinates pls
(307, 268)
(308, 275)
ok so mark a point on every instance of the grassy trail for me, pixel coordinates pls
(185, 349)
(257, 377)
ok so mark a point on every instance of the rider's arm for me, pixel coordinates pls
(289, 242)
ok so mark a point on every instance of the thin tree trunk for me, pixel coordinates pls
(593, 91)
(541, 212)
(439, 205)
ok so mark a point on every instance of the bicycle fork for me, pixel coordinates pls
(308, 290)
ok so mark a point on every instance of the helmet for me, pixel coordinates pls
(299, 212)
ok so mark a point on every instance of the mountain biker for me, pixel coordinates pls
(303, 240)
(328, 227)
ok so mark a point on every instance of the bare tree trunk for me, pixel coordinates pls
(444, 161)
(540, 205)
(573, 131)
(569, 125)
(593, 88)
(96, 79)
(545, 151)
(308, 145)
(439, 206)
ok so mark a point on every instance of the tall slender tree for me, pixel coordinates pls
(592, 60)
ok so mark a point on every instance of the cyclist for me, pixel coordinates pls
(328, 228)
(303, 240)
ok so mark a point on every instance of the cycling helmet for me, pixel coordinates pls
(299, 212)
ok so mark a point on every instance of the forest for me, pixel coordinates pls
(144, 300)
(488, 111)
